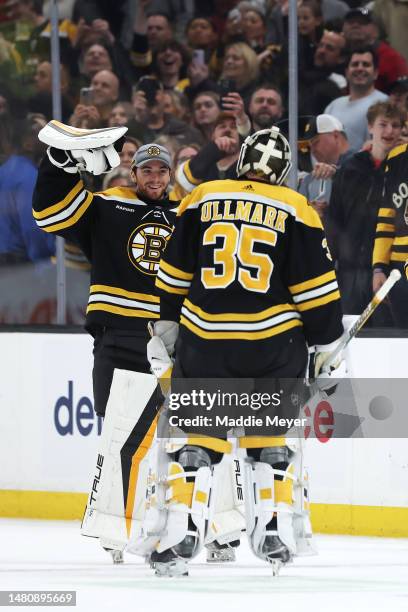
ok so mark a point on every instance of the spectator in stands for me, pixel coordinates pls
(158, 30)
(183, 154)
(121, 113)
(176, 104)
(330, 149)
(151, 121)
(206, 108)
(399, 93)
(130, 146)
(310, 32)
(351, 110)
(93, 59)
(324, 81)
(360, 29)
(242, 66)
(118, 177)
(201, 34)
(170, 65)
(105, 92)
(265, 107)
(41, 102)
(217, 159)
(355, 200)
(393, 17)
(254, 26)
(21, 240)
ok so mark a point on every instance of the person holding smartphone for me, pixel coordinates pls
(97, 101)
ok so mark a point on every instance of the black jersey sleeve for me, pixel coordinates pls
(61, 204)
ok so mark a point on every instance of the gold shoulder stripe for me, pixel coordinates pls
(313, 282)
(397, 151)
(122, 192)
(176, 272)
(59, 205)
(190, 177)
(72, 220)
(331, 297)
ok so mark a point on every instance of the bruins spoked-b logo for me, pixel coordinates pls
(146, 245)
(153, 150)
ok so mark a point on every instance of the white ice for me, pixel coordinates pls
(350, 574)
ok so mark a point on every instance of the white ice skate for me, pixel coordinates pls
(117, 555)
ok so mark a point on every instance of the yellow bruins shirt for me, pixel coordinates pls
(249, 261)
(122, 236)
(391, 238)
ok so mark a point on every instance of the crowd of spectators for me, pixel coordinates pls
(198, 77)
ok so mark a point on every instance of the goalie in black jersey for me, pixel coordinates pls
(123, 232)
(249, 279)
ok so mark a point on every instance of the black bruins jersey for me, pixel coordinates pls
(122, 236)
(249, 261)
(391, 238)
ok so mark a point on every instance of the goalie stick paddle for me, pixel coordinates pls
(349, 334)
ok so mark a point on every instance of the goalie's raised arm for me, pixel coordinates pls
(73, 149)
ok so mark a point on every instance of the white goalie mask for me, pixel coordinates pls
(267, 154)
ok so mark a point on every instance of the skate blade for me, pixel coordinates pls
(117, 557)
(171, 569)
(221, 556)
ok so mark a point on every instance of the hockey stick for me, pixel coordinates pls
(349, 334)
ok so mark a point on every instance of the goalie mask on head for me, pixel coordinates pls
(267, 154)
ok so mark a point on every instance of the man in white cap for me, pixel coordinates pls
(329, 148)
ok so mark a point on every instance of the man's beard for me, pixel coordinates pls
(143, 195)
(264, 120)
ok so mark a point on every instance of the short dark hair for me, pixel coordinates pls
(267, 86)
(359, 51)
(385, 109)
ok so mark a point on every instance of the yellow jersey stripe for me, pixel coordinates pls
(400, 241)
(169, 269)
(129, 294)
(124, 312)
(72, 220)
(239, 316)
(161, 285)
(240, 335)
(59, 205)
(382, 248)
(331, 297)
(313, 282)
(385, 227)
(386, 212)
(189, 176)
(399, 256)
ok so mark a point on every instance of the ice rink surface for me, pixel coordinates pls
(350, 574)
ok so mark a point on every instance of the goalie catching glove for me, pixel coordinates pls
(73, 149)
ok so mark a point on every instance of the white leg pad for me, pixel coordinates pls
(108, 516)
(226, 518)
